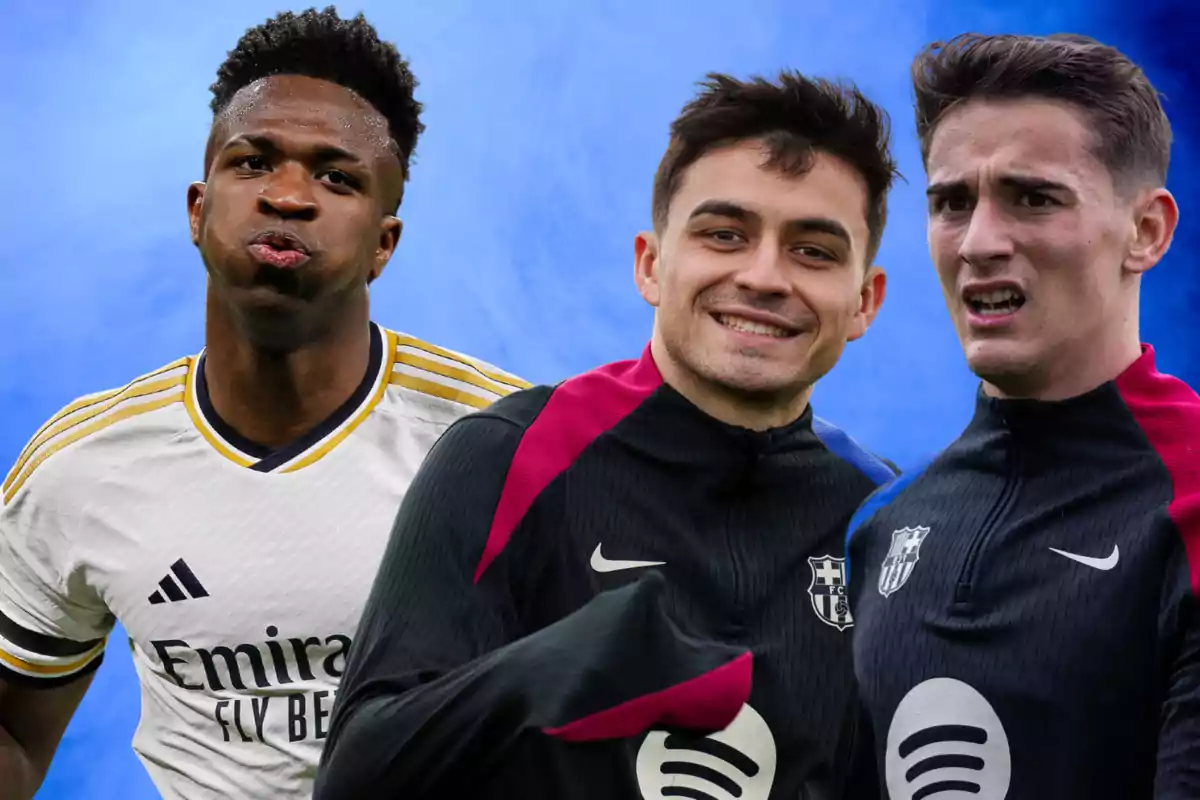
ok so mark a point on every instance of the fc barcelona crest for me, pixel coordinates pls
(828, 591)
(901, 559)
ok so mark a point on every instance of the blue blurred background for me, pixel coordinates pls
(546, 119)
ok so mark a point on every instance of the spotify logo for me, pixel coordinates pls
(947, 743)
(737, 763)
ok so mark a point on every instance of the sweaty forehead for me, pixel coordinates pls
(1035, 138)
(306, 107)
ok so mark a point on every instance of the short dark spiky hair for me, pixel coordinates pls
(320, 44)
(795, 117)
(1132, 136)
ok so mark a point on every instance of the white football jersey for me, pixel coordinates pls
(238, 573)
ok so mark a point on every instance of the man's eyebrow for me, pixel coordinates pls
(266, 144)
(1027, 183)
(946, 188)
(723, 208)
(732, 210)
(821, 225)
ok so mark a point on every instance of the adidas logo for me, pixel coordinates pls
(171, 589)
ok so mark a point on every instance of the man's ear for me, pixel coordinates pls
(870, 298)
(195, 202)
(646, 266)
(1156, 217)
(390, 229)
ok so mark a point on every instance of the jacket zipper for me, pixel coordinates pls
(735, 537)
(732, 541)
(964, 588)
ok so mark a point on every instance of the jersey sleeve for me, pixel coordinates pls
(1178, 774)
(442, 688)
(425, 616)
(53, 626)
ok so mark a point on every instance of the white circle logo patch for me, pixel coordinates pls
(947, 742)
(737, 763)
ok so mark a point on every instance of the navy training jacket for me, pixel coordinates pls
(1026, 604)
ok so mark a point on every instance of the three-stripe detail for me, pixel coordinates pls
(188, 585)
(446, 374)
(410, 364)
(91, 414)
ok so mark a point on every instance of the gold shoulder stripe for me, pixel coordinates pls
(404, 340)
(88, 430)
(94, 410)
(52, 671)
(454, 373)
(100, 397)
(438, 390)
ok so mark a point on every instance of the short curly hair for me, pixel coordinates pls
(320, 44)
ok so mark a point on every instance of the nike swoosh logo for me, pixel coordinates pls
(1095, 563)
(602, 564)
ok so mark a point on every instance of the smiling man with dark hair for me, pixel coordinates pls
(518, 642)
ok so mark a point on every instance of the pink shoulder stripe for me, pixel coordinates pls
(1168, 411)
(578, 411)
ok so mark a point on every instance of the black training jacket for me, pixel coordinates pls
(1026, 605)
(585, 580)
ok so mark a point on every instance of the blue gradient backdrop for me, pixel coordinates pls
(545, 121)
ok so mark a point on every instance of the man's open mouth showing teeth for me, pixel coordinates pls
(997, 302)
(749, 326)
